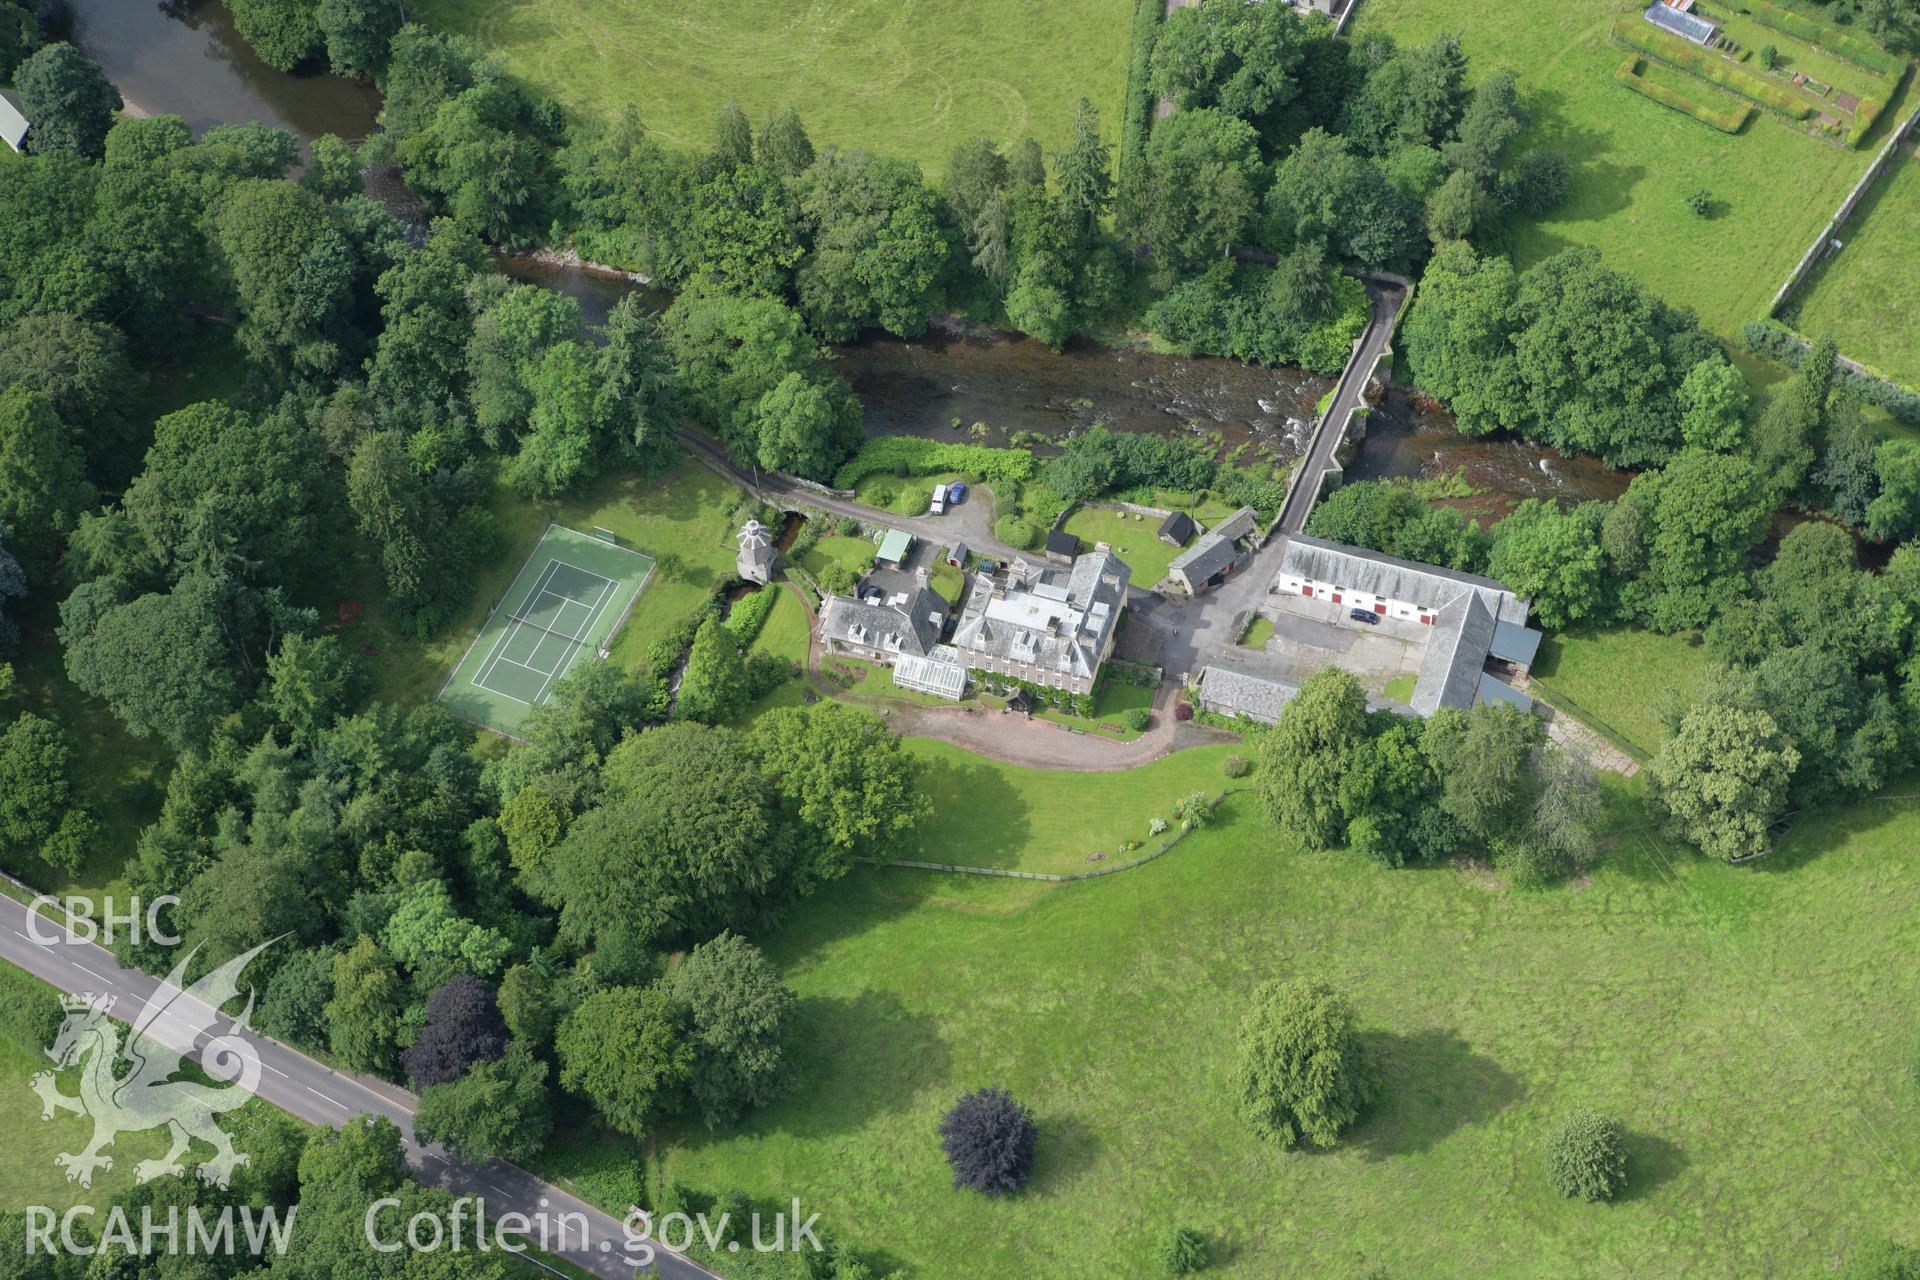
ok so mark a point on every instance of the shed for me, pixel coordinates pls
(1176, 529)
(894, 548)
(1514, 644)
(1062, 543)
(13, 125)
(1227, 692)
(1492, 690)
(1194, 569)
(957, 555)
(1238, 525)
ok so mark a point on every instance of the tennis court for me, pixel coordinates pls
(568, 599)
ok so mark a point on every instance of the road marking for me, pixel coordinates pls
(323, 1097)
(90, 973)
(277, 1071)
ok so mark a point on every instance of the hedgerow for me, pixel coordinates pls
(913, 456)
(1729, 121)
(1637, 33)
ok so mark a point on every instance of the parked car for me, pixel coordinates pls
(956, 491)
(939, 504)
(1367, 616)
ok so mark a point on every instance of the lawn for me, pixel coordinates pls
(1131, 537)
(1636, 161)
(1113, 699)
(909, 80)
(1867, 296)
(1258, 632)
(1621, 681)
(989, 814)
(784, 634)
(683, 519)
(1751, 1027)
(855, 553)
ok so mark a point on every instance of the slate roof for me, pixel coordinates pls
(1062, 543)
(1515, 644)
(1492, 690)
(1176, 529)
(911, 627)
(1057, 619)
(1374, 573)
(13, 125)
(1238, 525)
(1203, 559)
(1449, 674)
(1238, 693)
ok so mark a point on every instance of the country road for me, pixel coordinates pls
(318, 1094)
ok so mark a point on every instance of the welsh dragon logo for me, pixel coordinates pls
(126, 1087)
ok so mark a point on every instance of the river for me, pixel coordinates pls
(183, 56)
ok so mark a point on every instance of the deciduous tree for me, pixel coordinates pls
(67, 100)
(740, 1018)
(624, 1050)
(1300, 1070)
(1722, 779)
(1304, 757)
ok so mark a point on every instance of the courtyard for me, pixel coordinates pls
(1310, 634)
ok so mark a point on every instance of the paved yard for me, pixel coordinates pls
(1310, 634)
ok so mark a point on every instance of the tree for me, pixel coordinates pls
(623, 1049)
(1488, 783)
(158, 660)
(1883, 1260)
(880, 249)
(681, 848)
(1083, 173)
(1414, 95)
(39, 816)
(744, 230)
(1894, 513)
(285, 33)
(1536, 182)
(1459, 338)
(420, 362)
(1587, 1156)
(473, 164)
(1696, 520)
(67, 99)
(81, 367)
(843, 773)
(363, 1017)
(358, 33)
(1200, 189)
(1713, 404)
(732, 137)
(43, 483)
(333, 168)
(1304, 756)
(988, 1139)
(1182, 1252)
(463, 1027)
(1566, 813)
(1245, 60)
(1721, 780)
(310, 681)
(714, 687)
(740, 1018)
(1492, 119)
(1459, 208)
(784, 146)
(1552, 558)
(1300, 1070)
(19, 36)
(498, 1110)
(292, 275)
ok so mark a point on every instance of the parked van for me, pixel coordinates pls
(939, 506)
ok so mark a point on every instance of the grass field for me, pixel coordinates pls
(1621, 681)
(1636, 161)
(1867, 296)
(1132, 540)
(1751, 1027)
(909, 80)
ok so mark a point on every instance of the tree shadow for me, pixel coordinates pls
(1601, 186)
(1067, 1147)
(1813, 833)
(979, 819)
(1651, 1162)
(856, 1058)
(1432, 1082)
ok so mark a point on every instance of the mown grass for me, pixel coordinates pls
(1750, 1027)
(910, 80)
(990, 814)
(1635, 161)
(1867, 296)
(1621, 681)
(1131, 537)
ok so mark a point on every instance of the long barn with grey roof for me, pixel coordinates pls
(1465, 610)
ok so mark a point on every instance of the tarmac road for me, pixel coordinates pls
(318, 1094)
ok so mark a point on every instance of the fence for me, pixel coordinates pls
(1165, 847)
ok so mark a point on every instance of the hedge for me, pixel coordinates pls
(1863, 117)
(1848, 48)
(913, 456)
(1777, 343)
(749, 614)
(1727, 121)
(1637, 33)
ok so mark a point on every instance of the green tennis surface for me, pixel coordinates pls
(568, 599)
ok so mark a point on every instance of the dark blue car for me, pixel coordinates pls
(1367, 616)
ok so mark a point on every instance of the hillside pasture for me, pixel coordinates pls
(910, 80)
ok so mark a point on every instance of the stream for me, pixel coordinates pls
(184, 56)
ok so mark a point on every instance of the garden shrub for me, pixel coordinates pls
(1841, 44)
(1234, 766)
(1182, 1252)
(1586, 1156)
(749, 614)
(988, 1139)
(1137, 718)
(1015, 532)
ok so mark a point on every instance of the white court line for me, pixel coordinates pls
(538, 587)
(598, 605)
